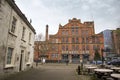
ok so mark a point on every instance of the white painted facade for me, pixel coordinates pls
(16, 46)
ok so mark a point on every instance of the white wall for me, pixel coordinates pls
(14, 40)
(4, 26)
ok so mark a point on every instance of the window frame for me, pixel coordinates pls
(30, 34)
(73, 40)
(23, 32)
(13, 26)
(9, 55)
(77, 39)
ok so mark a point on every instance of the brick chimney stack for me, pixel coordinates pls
(47, 32)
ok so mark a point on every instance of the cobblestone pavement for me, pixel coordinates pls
(49, 72)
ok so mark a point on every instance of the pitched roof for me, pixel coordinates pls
(19, 12)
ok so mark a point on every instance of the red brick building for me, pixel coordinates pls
(75, 42)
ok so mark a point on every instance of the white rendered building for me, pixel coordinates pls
(16, 38)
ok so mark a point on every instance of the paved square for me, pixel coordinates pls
(50, 72)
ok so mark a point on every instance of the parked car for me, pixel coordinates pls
(114, 62)
(98, 62)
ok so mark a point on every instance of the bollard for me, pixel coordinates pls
(78, 70)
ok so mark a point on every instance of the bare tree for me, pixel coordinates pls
(39, 37)
(41, 47)
(97, 56)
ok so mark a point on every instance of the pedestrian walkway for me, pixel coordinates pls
(49, 72)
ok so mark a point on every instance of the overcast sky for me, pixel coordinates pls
(104, 13)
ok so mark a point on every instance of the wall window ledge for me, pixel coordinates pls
(9, 67)
(12, 34)
(28, 63)
(23, 40)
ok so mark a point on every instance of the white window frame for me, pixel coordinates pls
(9, 55)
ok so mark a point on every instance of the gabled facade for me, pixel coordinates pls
(17, 38)
(74, 42)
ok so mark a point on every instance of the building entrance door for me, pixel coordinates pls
(21, 60)
(64, 57)
(85, 58)
(75, 58)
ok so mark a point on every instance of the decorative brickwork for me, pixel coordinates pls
(74, 42)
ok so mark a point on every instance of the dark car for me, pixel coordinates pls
(114, 62)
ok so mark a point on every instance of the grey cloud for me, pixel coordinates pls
(105, 13)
